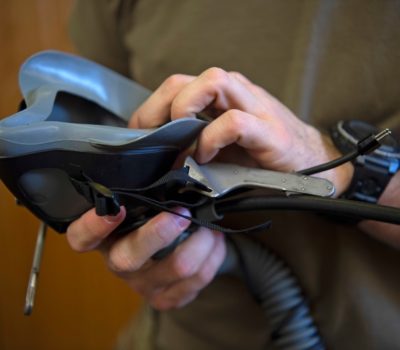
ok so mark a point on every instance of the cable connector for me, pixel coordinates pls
(371, 142)
(364, 146)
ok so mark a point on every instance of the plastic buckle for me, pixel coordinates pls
(105, 201)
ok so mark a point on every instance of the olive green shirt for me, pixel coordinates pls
(326, 60)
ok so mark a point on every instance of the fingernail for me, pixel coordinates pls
(112, 219)
(182, 222)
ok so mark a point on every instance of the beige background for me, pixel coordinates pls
(79, 304)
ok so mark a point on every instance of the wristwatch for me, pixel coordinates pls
(372, 171)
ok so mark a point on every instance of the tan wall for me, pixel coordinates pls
(79, 304)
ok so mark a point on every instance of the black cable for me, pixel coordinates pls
(364, 146)
(330, 165)
(278, 292)
(341, 207)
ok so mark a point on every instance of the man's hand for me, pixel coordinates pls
(250, 127)
(171, 282)
(259, 130)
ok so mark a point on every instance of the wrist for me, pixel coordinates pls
(340, 176)
(321, 159)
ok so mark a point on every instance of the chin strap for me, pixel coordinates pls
(175, 188)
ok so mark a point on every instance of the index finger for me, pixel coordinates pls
(156, 110)
(219, 89)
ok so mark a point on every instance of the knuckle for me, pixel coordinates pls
(179, 108)
(159, 232)
(167, 227)
(75, 244)
(120, 261)
(138, 287)
(236, 122)
(174, 82)
(237, 75)
(182, 268)
(217, 77)
(167, 301)
(206, 275)
(79, 242)
(164, 232)
(160, 303)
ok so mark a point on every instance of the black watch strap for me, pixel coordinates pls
(370, 178)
